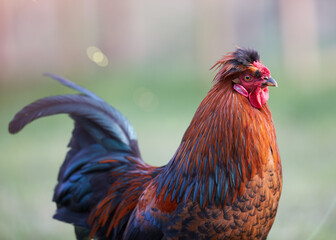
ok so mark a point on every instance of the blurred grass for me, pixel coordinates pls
(304, 120)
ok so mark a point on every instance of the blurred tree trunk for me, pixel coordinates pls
(300, 38)
(5, 41)
(214, 30)
(73, 33)
(115, 36)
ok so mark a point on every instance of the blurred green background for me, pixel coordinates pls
(151, 59)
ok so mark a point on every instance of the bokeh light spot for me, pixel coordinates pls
(97, 56)
(145, 99)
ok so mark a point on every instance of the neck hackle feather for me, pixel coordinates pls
(227, 143)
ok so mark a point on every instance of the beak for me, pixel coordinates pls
(270, 82)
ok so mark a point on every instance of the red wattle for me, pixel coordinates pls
(259, 97)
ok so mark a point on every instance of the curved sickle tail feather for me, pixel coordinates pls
(100, 113)
(89, 106)
(101, 133)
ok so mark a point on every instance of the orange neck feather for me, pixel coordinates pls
(227, 143)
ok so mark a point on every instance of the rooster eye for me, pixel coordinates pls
(247, 78)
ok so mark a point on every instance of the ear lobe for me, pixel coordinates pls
(240, 89)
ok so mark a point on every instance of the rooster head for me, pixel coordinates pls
(248, 75)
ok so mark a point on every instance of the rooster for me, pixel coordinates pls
(223, 182)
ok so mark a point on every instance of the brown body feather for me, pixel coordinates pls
(250, 207)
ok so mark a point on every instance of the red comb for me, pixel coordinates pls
(264, 70)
